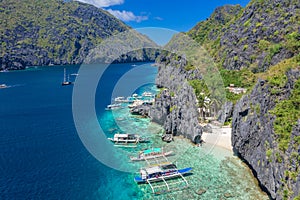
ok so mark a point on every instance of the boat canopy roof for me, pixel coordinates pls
(154, 150)
(160, 168)
(118, 135)
(124, 135)
(153, 170)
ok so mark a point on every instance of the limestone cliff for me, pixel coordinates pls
(176, 106)
(267, 139)
(259, 42)
(256, 37)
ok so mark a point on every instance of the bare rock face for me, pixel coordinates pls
(226, 112)
(256, 37)
(176, 106)
(254, 140)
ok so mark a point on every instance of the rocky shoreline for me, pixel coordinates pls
(175, 106)
(254, 140)
(252, 134)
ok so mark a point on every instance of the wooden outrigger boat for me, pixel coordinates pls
(113, 106)
(160, 173)
(123, 139)
(151, 154)
(163, 173)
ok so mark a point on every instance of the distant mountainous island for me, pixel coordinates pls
(256, 48)
(55, 32)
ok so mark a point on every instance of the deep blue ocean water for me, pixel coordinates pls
(41, 155)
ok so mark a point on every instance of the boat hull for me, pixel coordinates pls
(66, 83)
(142, 158)
(120, 142)
(139, 179)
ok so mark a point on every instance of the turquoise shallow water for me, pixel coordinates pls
(216, 170)
(42, 156)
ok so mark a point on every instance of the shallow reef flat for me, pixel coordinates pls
(217, 174)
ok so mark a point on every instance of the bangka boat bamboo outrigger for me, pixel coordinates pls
(162, 173)
(124, 139)
(113, 106)
(151, 154)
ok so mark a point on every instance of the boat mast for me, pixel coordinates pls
(65, 75)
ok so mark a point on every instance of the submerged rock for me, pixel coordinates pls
(167, 137)
(228, 195)
(200, 191)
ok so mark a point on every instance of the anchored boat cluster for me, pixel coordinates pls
(161, 174)
(132, 101)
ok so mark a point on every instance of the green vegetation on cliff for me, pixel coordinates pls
(256, 37)
(250, 39)
(261, 41)
(208, 33)
(46, 32)
(212, 27)
(40, 32)
(287, 111)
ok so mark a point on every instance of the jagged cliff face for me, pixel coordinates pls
(46, 32)
(255, 139)
(176, 107)
(262, 36)
(265, 127)
(211, 28)
(256, 37)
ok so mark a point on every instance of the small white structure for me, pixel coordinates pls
(236, 90)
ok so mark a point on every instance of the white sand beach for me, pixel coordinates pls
(221, 136)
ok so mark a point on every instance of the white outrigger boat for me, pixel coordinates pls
(113, 106)
(151, 154)
(148, 94)
(162, 173)
(124, 139)
(124, 100)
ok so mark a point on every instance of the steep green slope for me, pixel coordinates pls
(46, 32)
(265, 129)
(261, 35)
(212, 26)
(264, 37)
(208, 32)
(258, 47)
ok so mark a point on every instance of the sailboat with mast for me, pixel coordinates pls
(66, 79)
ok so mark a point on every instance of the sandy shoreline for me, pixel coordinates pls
(221, 136)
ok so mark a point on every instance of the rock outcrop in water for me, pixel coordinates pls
(56, 32)
(176, 106)
(254, 138)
